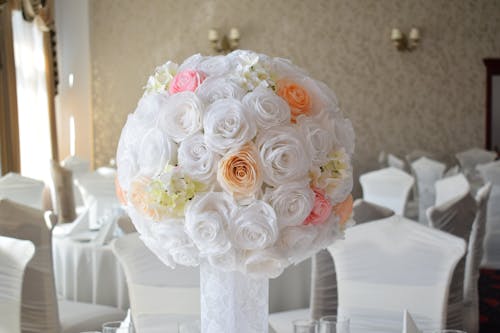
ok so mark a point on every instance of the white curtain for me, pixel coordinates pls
(32, 98)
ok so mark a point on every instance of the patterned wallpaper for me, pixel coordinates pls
(431, 98)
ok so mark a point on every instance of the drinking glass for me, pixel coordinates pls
(444, 331)
(333, 324)
(111, 327)
(305, 326)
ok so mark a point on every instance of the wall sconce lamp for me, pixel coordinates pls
(226, 43)
(402, 43)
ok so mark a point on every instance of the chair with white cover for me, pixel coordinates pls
(456, 217)
(14, 256)
(79, 167)
(324, 298)
(101, 188)
(491, 258)
(427, 172)
(396, 162)
(389, 265)
(63, 196)
(409, 325)
(473, 260)
(451, 188)
(24, 190)
(416, 154)
(468, 159)
(41, 311)
(159, 296)
(387, 187)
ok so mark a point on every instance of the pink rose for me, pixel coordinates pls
(187, 80)
(321, 210)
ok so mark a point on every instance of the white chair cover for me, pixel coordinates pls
(324, 298)
(455, 217)
(416, 154)
(427, 172)
(63, 197)
(159, 295)
(79, 167)
(468, 159)
(491, 258)
(396, 162)
(387, 187)
(24, 190)
(393, 264)
(448, 189)
(101, 188)
(452, 171)
(14, 256)
(472, 261)
(40, 311)
(409, 325)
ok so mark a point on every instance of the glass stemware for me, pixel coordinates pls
(305, 326)
(333, 324)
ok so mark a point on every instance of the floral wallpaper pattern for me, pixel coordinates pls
(431, 98)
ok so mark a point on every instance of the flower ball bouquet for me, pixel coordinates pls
(241, 164)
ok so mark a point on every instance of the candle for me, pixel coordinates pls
(72, 138)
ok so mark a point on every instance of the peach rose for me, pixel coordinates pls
(120, 194)
(322, 209)
(296, 96)
(344, 209)
(186, 81)
(239, 172)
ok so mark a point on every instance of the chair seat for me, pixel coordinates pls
(281, 322)
(78, 317)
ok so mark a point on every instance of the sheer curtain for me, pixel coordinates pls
(32, 98)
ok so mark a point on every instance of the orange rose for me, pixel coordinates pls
(296, 96)
(239, 172)
(344, 209)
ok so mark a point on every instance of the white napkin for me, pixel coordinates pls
(79, 226)
(409, 325)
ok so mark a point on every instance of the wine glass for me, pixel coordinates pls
(305, 326)
(333, 324)
(111, 327)
(443, 331)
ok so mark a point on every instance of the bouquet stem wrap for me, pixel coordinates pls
(232, 301)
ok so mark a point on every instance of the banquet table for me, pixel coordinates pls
(88, 272)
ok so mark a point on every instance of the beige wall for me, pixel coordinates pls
(432, 98)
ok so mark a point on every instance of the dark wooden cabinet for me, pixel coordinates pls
(493, 104)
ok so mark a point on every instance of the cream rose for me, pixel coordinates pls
(283, 155)
(228, 125)
(197, 159)
(292, 202)
(255, 226)
(181, 116)
(207, 219)
(239, 172)
(268, 108)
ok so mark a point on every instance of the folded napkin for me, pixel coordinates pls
(409, 325)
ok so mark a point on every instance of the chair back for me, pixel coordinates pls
(389, 265)
(125, 224)
(79, 167)
(39, 309)
(24, 190)
(387, 187)
(456, 217)
(491, 258)
(62, 190)
(468, 159)
(157, 293)
(396, 162)
(14, 256)
(324, 299)
(451, 188)
(472, 261)
(427, 172)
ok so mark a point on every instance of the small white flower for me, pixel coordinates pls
(181, 116)
(161, 78)
(228, 125)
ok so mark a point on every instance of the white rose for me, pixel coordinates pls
(292, 202)
(228, 125)
(191, 63)
(125, 160)
(283, 154)
(255, 226)
(282, 68)
(344, 134)
(215, 66)
(207, 219)
(268, 108)
(297, 243)
(181, 116)
(170, 233)
(227, 261)
(186, 255)
(155, 246)
(155, 150)
(197, 159)
(264, 264)
(318, 132)
(219, 87)
(328, 232)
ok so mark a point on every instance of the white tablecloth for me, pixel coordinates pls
(88, 272)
